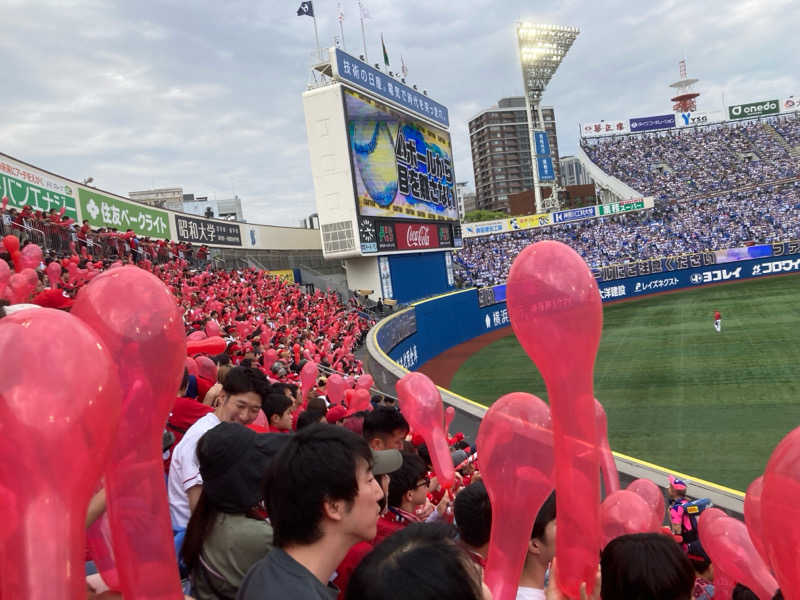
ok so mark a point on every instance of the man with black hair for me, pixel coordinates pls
(385, 429)
(278, 410)
(239, 402)
(473, 520)
(541, 550)
(408, 491)
(185, 413)
(322, 498)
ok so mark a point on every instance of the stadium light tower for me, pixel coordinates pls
(541, 50)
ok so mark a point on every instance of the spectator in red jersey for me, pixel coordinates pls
(408, 491)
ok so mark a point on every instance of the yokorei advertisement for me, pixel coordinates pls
(402, 168)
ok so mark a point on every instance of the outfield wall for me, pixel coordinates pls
(407, 339)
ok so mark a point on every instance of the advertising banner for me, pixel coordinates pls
(541, 143)
(402, 168)
(754, 109)
(652, 123)
(203, 231)
(361, 74)
(618, 207)
(544, 164)
(605, 128)
(445, 237)
(790, 104)
(416, 236)
(692, 119)
(104, 211)
(23, 185)
(575, 214)
(386, 239)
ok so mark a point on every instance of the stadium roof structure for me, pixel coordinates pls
(541, 50)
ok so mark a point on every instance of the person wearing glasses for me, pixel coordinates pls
(408, 491)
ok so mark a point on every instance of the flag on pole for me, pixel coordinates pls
(385, 55)
(340, 17)
(306, 9)
(403, 68)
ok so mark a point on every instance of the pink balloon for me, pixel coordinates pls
(191, 366)
(334, 388)
(556, 314)
(212, 329)
(516, 445)
(780, 513)
(449, 415)
(206, 368)
(752, 516)
(31, 256)
(11, 242)
(196, 336)
(22, 285)
(53, 274)
(421, 405)
(650, 493)
(360, 401)
(58, 425)
(624, 512)
(211, 345)
(728, 544)
(365, 382)
(5, 273)
(607, 464)
(140, 323)
(308, 376)
(270, 356)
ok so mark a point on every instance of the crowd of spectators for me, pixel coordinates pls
(693, 177)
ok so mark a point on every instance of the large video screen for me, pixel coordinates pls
(402, 167)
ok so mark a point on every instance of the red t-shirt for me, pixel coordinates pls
(351, 560)
(184, 414)
(203, 385)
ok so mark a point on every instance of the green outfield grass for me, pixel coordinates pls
(677, 393)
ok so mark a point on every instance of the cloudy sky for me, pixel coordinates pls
(207, 95)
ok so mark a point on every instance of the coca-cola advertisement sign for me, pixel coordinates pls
(413, 236)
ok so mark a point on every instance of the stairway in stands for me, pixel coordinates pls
(793, 151)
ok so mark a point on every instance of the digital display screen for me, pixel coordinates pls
(402, 167)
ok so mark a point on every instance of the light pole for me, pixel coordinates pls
(541, 50)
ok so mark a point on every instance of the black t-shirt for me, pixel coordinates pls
(278, 576)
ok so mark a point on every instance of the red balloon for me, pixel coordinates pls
(31, 257)
(212, 329)
(650, 493)
(53, 274)
(365, 382)
(449, 415)
(780, 513)
(422, 407)
(196, 336)
(334, 388)
(728, 544)
(607, 464)
(209, 345)
(624, 512)
(270, 356)
(140, 323)
(206, 368)
(11, 242)
(22, 285)
(516, 445)
(308, 376)
(752, 516)
(360, 400)
(59, 424)
(191, 366)
(5, 273)
(556, 314)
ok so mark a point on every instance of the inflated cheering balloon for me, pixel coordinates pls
(270, 356)
(212, 329)
(334, 388)
(365, 382)
(209, 345)
(421, 405)
(780, 513)
(58, 424)
(206, 368)
(191, 366)
(651, 494)
(11, 242)
(5, 275)
(53, 274)
(624, 512)
(308, 377)
(752, 516)
(516, 445)
(607, 464)
(196, 336)
(360, 401)
(556, 314)
(728, 544)
(140, 322)
(449, 415)
(31, 256)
